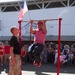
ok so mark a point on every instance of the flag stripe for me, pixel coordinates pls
(23, 10)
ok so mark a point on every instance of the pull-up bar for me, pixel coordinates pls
(43, 20)
(59, 35)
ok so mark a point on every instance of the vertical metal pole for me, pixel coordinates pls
(20, 35)
(20, 39)
(59, 35)
(30, 38)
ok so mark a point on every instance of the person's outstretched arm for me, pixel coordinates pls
(12, 55)
(31, 27)
(44, 27)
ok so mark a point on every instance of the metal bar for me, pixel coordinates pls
(42, 20)
(47, 4)
(63, 4)
(68, 3)
(72, 3)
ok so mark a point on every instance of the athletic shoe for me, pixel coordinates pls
(38, 64)
(35, 63)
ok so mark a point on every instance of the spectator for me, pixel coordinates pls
(1, 53)
(23, 53)
(44, 54)
(6, 52)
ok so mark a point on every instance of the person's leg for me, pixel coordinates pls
(45, 58)
(16, 68)
(11, 72)
(55, 60)
(1, 59)
(30, 54)
(6, 58)
(37, 52)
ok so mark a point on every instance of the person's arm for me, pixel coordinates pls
(44, 27)
(31, 27)
(12, 55)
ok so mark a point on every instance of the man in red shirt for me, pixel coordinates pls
(6, 52)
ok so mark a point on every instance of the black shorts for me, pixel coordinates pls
(35, 51)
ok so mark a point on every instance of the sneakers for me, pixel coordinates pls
(37, 64)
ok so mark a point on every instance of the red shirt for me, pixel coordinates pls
(23, 53)
(7, 49)
(1, 50)
(39, 37)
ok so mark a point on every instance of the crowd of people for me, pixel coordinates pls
(67, 54)
(48, 55)
(4, 52)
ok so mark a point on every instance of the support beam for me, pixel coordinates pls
(38, 5)
(42, 4)
(72, 3)
(47, 4)
(46, 1)
(63, 4)
(4, 9)
(0, 9)
(68, 3)
(15, 7)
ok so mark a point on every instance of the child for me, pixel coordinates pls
(23, 53)
(62, 58)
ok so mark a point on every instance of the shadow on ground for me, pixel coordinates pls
(50, 68)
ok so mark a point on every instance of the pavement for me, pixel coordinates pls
(45, 69)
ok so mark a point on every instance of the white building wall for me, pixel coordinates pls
(9, 19)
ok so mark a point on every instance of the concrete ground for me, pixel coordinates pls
(45, 69)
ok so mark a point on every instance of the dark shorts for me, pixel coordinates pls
(35, 51)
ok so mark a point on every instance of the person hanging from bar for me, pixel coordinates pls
(39, 41)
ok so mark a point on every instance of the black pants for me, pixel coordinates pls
(35, 52)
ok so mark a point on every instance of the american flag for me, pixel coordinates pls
(23, 10)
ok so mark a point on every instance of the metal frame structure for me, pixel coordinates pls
(64, 3)
(59, 38)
